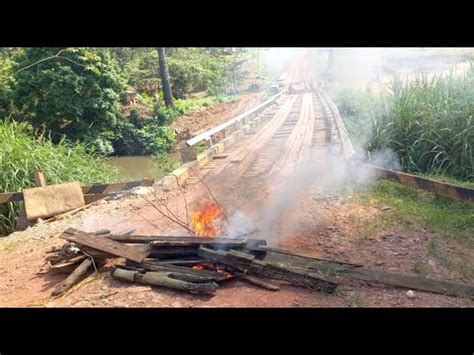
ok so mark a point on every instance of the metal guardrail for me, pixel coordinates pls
(236, 120)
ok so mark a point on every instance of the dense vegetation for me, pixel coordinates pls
(113, 98)
(427, 122)
(62, 109)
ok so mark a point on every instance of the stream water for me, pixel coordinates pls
(136, 167)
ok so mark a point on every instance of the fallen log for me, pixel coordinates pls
(105, 245)
(249, 264)
(73, 277)
(179, 281)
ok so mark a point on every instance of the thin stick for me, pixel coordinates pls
(184, 197)
(168, 217)
(166, 207)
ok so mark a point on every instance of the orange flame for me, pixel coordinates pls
(207, 266)
(202, 222)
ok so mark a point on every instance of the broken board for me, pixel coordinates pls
(48, 201)
(105, 245)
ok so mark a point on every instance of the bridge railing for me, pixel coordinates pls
(232, 123)
(347, 146)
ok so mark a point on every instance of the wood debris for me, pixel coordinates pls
(202, 264)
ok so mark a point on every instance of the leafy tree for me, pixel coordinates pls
(71, 91)
(6, 81)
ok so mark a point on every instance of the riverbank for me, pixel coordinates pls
(186, 126)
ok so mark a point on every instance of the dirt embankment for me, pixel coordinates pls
(201, 120)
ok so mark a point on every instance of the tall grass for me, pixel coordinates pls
(428, 122)
(21, 153)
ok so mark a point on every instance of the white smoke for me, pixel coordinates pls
(239, 225)
(334, 176)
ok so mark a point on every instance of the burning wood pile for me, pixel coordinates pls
(202, 263)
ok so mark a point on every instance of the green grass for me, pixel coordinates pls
(427, 122)
(418, 209)
(188, 105)
(21, 154)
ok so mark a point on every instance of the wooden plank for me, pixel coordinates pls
(438, 187)
(261, 138)
(197, 241)
(47, 201)
(7, 197)
(173, 252)
(39, 178)
(73, 277)
(259, 282)
(410, 282)
(106, 245)
(158, 240)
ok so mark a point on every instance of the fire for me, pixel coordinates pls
(208, 266)
(203, 221)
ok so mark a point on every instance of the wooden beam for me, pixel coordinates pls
(259, 282)
(157, 240)
(39, 178)
(249, 264)
(438, 187)
(409, 282)
(105, 245)
(355, 271)
(73, 277)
